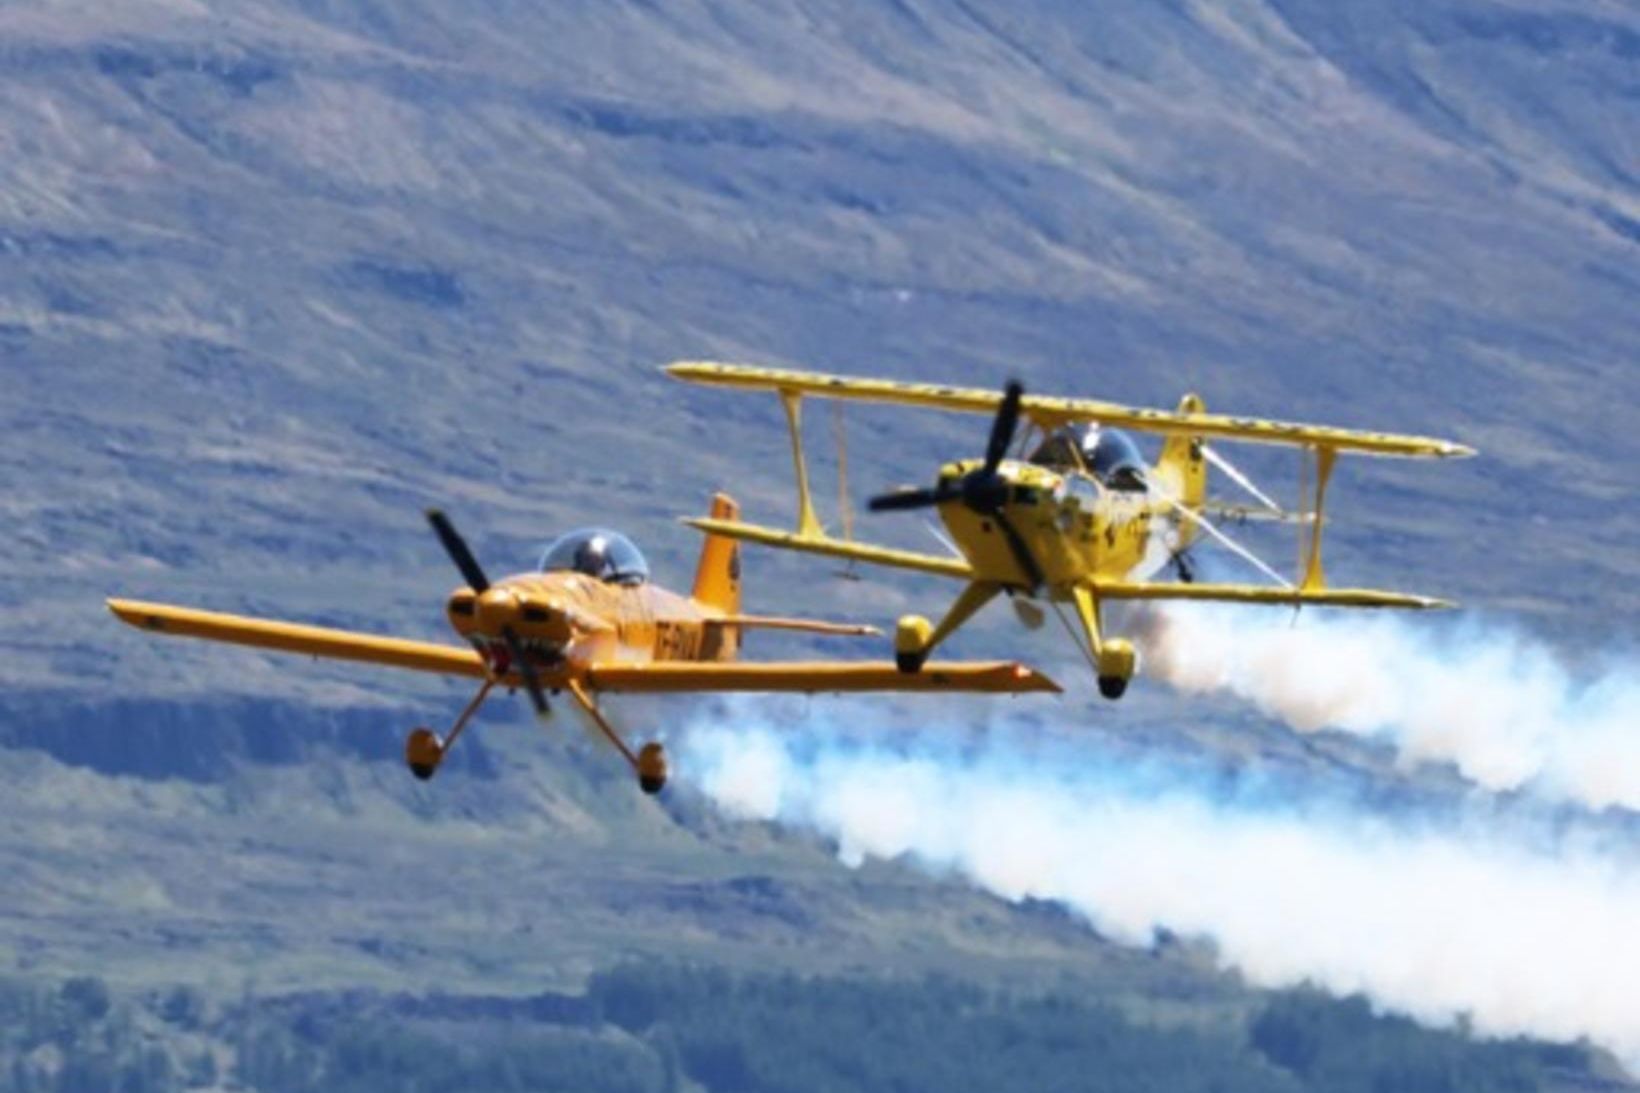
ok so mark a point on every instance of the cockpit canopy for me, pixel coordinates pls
(599, 553)
(1110, 454)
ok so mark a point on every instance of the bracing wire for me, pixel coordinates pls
(1224, 539)
(1239, 478)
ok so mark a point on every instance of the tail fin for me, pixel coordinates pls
(1183, 468)
(717, 578)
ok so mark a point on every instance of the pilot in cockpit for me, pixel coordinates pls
(1110, 454)
(599, 553)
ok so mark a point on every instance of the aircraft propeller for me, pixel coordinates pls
(982, 489)
(456, 547)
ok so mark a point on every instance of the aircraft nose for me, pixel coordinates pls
(495, 609)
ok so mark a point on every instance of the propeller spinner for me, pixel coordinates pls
(491, 605)
(983, 489)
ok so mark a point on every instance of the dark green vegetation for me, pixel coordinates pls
(672, 1027)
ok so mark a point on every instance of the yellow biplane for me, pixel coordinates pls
(1077, 517)
(589, 622)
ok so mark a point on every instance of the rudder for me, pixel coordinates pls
(717, 577)
(1182, 468)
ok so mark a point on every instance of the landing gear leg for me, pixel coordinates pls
(913, 640)
(424, 749)
(1113, 659)
(648, 763)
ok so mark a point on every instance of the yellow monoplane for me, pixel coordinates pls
(589, 622)
(1079, 517)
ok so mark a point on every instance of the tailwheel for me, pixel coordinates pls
(1112, 687)
(423, 751)
(652, 768)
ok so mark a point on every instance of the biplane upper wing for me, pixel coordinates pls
(290, 637)
(834, 548)
(1267, 594)
(1050, 412)
(817, 677)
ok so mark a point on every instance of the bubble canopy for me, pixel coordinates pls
(598, 553)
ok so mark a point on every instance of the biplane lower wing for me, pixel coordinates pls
(835, 548)
(817, 677)
(290, 637)
(1265, 594)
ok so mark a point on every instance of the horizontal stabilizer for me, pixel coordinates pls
(818, 677)
(802, 626)
(1229, 512)
(834, 548)
(1266, 594)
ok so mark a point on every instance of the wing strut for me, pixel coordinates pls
(808, 524)
(1314, 579)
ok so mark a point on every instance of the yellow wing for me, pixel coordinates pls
(1051, 412)
(796, 676)
(1253, 593)
(817, 677)
(290, 637)
(834, 548)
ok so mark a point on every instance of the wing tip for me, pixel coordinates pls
(1037, 682)
(135, 613)
(996, 677)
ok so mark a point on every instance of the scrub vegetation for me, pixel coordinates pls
(671, 1027)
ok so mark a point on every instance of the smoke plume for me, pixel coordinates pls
(1438, 920)
(1500, 707)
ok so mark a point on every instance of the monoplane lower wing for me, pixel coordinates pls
(290, 637)
(817, 677)
(802, 677)
(1265, 594)
(835, 548)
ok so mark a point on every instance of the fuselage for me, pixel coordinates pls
(1076, 527)
(564, 617)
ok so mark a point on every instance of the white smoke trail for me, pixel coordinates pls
(1500, 708)
(1438, 924)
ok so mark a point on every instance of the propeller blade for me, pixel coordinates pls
(1003, 426)
(532, 681)
(901, 500)
(1022, 553)
(456, 547)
